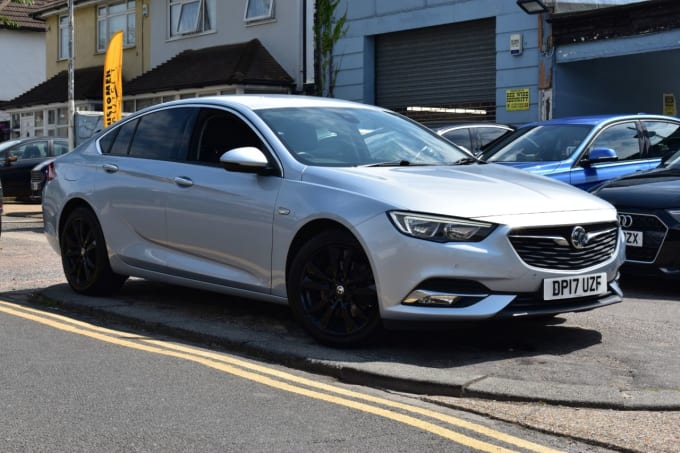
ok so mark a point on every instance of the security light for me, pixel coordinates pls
(532, 6)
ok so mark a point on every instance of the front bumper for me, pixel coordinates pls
(482, 280)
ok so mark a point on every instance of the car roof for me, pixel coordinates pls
(592, 120)
(267, 101)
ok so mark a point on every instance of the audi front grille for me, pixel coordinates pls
(653, 234)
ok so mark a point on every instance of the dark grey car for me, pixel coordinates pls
(18, 157)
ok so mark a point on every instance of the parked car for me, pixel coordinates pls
(38, 179)
(305, 201)
(471, 136)
(1, 207)
(648, 206)
(18, 157)
(585, 151)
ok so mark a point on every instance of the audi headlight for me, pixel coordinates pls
(675, 213)
(440, 229)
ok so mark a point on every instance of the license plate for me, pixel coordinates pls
(577, 286)
(633, 238)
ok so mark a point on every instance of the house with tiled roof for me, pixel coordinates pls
(171, 49)
(22, 51)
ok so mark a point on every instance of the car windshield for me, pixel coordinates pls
(544, 143)
(340, 137)
(8, 144)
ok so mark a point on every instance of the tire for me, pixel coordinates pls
(84, 256)
(332, 292)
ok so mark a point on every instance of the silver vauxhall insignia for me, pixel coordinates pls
(354, 216)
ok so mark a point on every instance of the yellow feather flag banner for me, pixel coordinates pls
(113, 80)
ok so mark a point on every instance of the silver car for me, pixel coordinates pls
(354, 216)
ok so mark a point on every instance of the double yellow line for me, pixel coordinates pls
(396, 411)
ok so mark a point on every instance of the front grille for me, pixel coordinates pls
(552, 248)
(653, 234)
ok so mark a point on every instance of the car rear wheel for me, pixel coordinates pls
(331, 290)
(84, 256)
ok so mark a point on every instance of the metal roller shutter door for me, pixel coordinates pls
(451, 65)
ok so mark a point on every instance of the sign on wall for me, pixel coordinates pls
(517, 99)
(669, 107)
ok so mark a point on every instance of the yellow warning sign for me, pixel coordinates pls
(669, 107)
(517, 99)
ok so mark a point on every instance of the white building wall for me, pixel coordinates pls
(23, 57)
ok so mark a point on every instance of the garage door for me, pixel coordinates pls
(439, 73)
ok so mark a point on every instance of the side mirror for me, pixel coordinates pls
(597, 155)
(247, 159)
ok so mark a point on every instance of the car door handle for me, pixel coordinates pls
(110, 168)
(183, 182)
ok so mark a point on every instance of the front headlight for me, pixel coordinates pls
(440, 229)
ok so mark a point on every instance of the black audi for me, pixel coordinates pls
(648, 205)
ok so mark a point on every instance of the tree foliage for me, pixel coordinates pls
(5, 21)
(327, 32)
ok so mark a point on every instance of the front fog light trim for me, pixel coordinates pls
(427, 298)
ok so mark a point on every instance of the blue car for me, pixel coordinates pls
(588, 150)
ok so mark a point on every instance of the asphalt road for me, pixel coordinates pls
(617, 364)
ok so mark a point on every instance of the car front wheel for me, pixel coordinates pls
(84, 256)
(332, 292)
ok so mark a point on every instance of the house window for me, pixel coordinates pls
(63, 37)
(257, 10)
(112, 18)
(188, 17)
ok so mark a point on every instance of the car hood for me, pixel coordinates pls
(655, 189)
(472, 191)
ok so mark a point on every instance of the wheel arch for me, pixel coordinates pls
(68, 208)
(308, 231)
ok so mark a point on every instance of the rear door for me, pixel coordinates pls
(135, 177)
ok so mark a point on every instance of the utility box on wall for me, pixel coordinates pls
(516, 44)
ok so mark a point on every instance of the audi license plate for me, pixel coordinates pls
(578, 286)
(633, 238)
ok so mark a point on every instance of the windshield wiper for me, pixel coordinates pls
(468, 161)
(391, 163)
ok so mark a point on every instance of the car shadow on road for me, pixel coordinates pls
(650, 288)
(270, 331)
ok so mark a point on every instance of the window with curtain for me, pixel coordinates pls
(259, 10)
(188, 17)
(114, 17)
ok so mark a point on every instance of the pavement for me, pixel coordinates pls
(566, 363)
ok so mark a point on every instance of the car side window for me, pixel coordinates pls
(33, 150)
(663, 138)
(460, 137)
(622, 138)
(162, 135)
(117, 142)
(217, 132)
(59, 148)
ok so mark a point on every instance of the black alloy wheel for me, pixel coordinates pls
(84, 256)
(331, 290)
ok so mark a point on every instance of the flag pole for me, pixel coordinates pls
(71, 89)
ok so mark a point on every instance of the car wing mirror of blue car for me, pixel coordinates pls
(597, 155)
